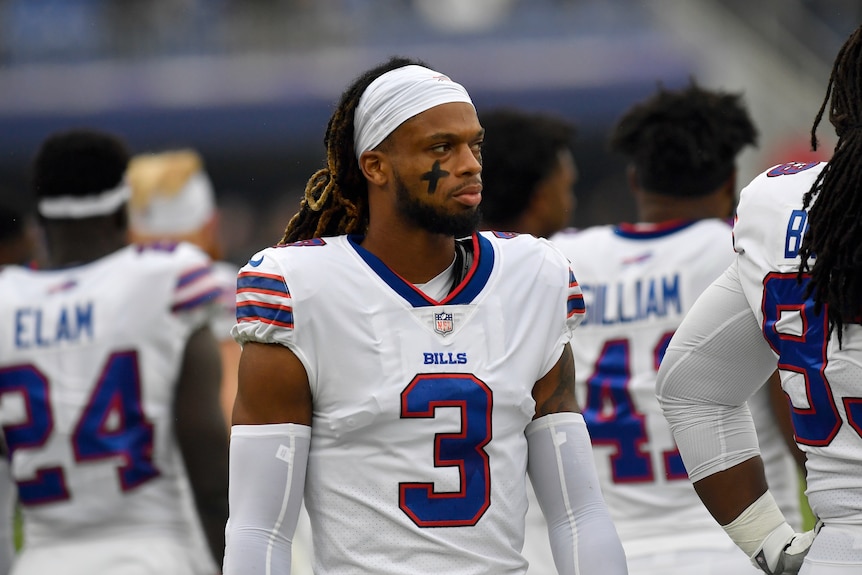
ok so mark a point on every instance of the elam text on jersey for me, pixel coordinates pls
(34, 329)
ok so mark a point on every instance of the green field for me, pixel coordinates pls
(808, 518)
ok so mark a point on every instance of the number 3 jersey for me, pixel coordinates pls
(418, 455)
(89, 359)
(639, 280)
(822, 380)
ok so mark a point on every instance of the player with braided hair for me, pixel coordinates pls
(639, 280)
(335, 200)
(836, 274)
(401, 371)
(790, 299)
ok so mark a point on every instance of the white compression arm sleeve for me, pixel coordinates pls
(267, 479)
(562, 470)
(716, 360)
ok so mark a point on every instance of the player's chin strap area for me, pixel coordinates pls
(463, 261)
(773, 545)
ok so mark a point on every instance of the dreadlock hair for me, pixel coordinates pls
(684, 143)
(834, 237)
(520, 150)
(336, 197)
(80, 163)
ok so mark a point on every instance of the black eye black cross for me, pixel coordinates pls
(434, 176)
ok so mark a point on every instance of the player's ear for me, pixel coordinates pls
(374, 167)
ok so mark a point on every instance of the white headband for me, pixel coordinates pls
(186, 211)
(80, 207)
(395, 97)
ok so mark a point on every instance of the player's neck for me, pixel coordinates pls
(668, 208)
(79, 244)
(415, 255)
(654, 207)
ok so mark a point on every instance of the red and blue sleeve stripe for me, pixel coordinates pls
(264, 298)
(575, 304)
(195, 287)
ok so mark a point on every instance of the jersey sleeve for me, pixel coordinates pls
(570, 297)
(264, 309)
(225, 316)
(576, 311)
(769, 197)
(196, 289)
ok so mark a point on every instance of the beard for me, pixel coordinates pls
(431, 218)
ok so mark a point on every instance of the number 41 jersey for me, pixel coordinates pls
(821, 378)
(418, 455)
(89, 357)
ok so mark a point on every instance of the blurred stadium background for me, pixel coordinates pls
(251, 83)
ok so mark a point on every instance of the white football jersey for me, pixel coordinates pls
(821, 380)
(89, 359)
(638, 281)
(418, 455)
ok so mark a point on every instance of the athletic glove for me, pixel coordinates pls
(783, 550)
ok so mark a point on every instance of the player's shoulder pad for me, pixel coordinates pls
(170, 255)
(573, 244)
(515, 243)
(266, 261)
(782, 182)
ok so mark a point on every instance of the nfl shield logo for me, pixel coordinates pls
(443, 323)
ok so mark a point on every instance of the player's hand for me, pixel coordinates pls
(783, 550)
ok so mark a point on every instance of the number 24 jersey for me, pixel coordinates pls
(89, 359)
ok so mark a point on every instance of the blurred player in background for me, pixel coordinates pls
(528, 178)
(173, 200)
(529, 187)
(639, 280)
(109, 383)
(791, 297)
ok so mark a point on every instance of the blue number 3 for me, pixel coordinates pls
(463, 449)
(97, 434)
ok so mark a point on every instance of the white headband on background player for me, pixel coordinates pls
(181, 212)
(171, 193)
(80, 207)
(395, 97)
